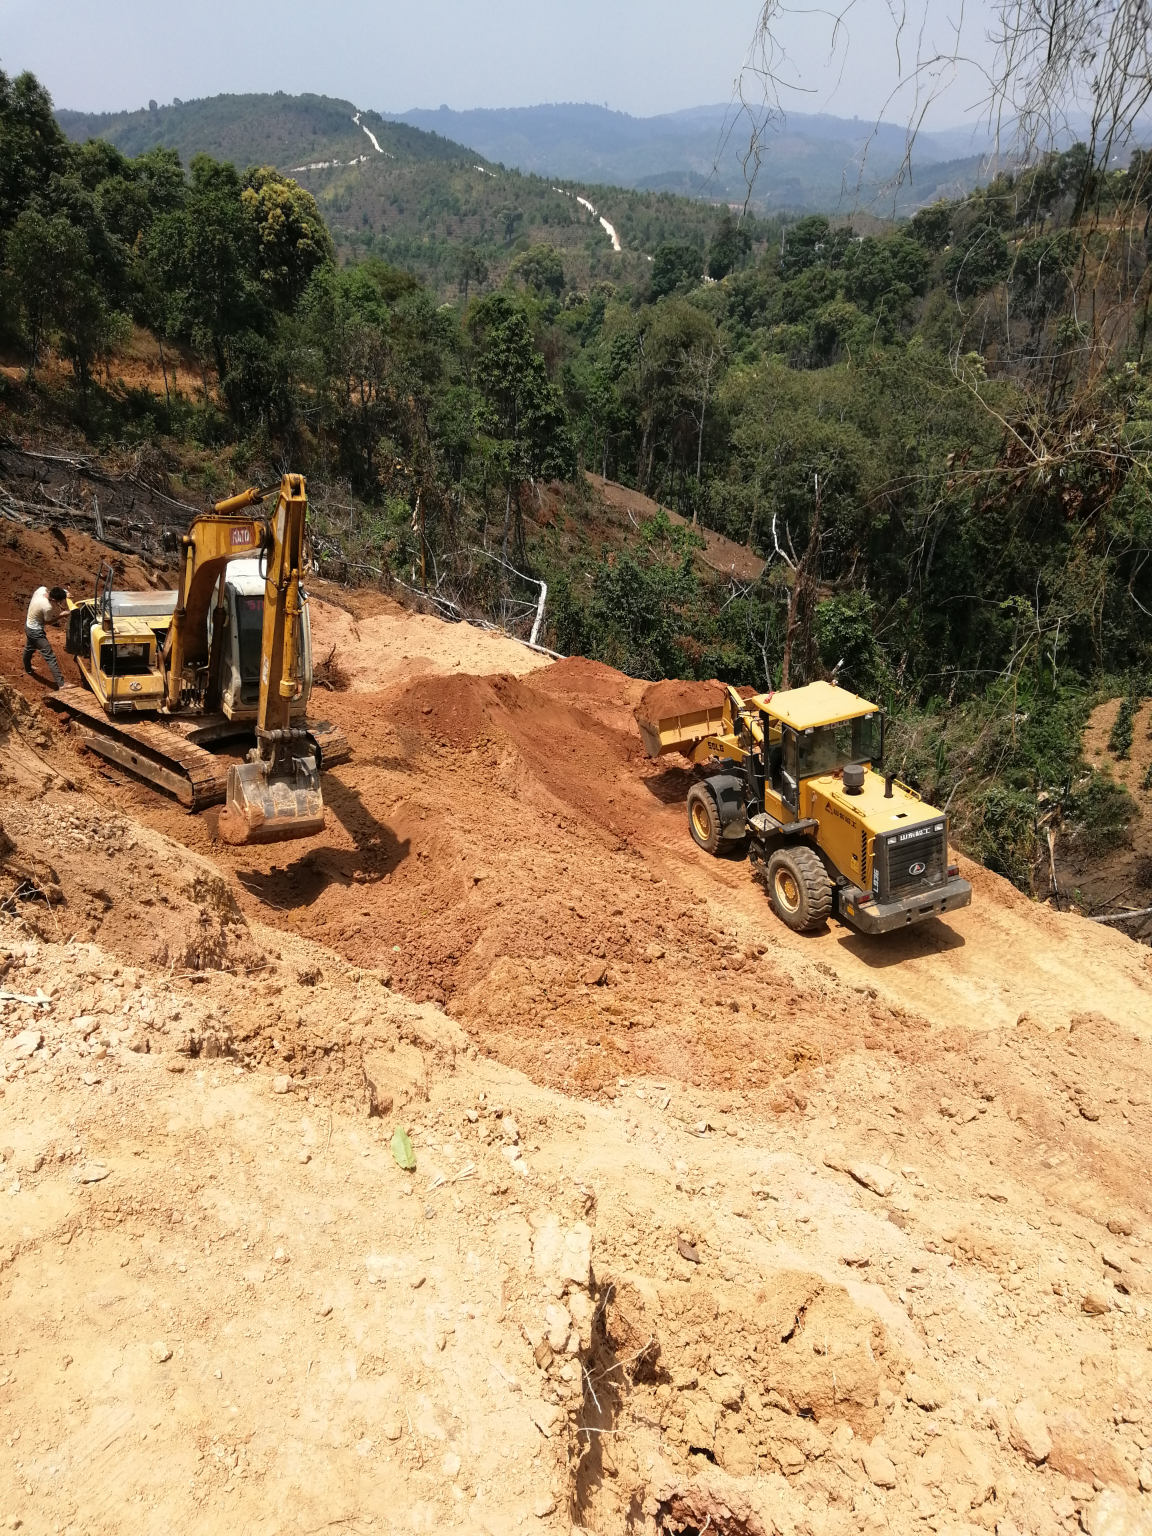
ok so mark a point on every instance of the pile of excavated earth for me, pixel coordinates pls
(712, 1227)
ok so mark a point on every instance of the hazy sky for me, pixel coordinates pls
(639, 56)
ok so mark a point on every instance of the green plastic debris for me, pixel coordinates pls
(402, 1149)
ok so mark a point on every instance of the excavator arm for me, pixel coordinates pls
(214, 539)
(275, 795)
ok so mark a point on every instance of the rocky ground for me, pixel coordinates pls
(711, 1227)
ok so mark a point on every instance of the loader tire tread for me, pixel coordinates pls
(799, 888)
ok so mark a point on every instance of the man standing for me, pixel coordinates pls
(42, 610)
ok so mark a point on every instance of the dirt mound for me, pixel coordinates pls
(141, 895)
(454, 711)
(549, 730)
(73, 867)
(567, 1312)
(375, 643)
(506, 847)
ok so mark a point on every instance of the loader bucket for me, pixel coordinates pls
(263, 807)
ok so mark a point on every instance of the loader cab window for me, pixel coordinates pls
(827, 748)
(789, 770)
(773, 753)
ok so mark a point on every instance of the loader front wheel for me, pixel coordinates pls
(703, 818)
(800, 889)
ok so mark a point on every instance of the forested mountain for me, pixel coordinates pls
(937, 435)
(410, 196)
(278, 130)
(812, 161)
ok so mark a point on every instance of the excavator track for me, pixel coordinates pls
(143, 747)
(167, 755)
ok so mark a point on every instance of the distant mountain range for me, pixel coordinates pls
(812, 162)
(389, 189)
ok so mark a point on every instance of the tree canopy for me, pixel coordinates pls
(936, 435)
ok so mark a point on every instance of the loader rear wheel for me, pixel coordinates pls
(800, 889)
(703, 818)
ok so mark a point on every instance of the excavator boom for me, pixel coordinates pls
(276, 795)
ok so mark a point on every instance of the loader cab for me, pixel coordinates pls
(811, 732)
(243, 637)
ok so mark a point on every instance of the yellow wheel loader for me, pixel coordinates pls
(224, 658)
(799, 786)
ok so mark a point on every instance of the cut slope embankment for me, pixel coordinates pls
(905, 1280)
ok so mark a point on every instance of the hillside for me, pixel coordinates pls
(756, 1231)
(812, 162)
(284, 131)
(408, 195)
(495, 1159)
(860, 408)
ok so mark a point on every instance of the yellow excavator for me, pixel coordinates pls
(224, 657)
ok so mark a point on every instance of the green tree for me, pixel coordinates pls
(978, 263)
(32, 146)
(540, 269)
(730, 243)
(803, 244)
(206, 257)
(605, 414)
(676, 267)
(510, 219)
(375, 354)
(44, 256)
(891, 272)
(470, 268)
(520, 413)
(932, 226)
(292, 240)
(845, 631)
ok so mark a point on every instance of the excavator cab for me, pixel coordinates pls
(238, 673)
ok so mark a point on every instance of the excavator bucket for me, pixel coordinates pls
(262, 806)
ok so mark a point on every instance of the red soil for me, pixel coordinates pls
(675, 697)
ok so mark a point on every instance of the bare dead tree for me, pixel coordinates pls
(1057, 57)
(802, 606)
(1053, 61)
